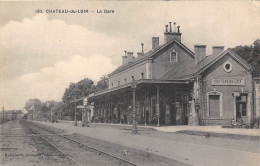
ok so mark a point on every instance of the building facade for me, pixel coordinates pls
(172, 85)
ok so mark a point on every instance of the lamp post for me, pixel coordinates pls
(134, 130)
(146, 109)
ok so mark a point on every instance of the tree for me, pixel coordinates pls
(251, 54)
(44, 111)
(33, 105)
(102, 84)
(76, 91)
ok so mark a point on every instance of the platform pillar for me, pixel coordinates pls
(157, 104)
(134, 130)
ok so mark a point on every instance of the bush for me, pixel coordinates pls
(255, 122)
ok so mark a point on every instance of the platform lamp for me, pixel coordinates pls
(76, 93)
(52, 109)
(75, 116)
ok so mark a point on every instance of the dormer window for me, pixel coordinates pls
(142, 75)
(173, 56)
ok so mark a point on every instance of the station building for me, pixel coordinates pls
(173, 85)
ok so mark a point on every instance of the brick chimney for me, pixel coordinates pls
(124, 58)
(155, 42)
(216, 50)
(139, 54)
(170, 35)
(200, 53)
(130, 56)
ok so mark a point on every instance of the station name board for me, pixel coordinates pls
(228, 81)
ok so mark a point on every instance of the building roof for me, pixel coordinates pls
(188, 70)
(181, 73)
(210, 60)
(151, 54)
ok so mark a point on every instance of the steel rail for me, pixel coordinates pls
(37, 133)
(90, 147)
(32, 135)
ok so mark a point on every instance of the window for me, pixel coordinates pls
(186, 98)
(118, 83)
(227, 66)
(242, 98)
(142, 75)
(112, 85)
(243, 109)
(173, 56)
(125, 80)
(215, 104)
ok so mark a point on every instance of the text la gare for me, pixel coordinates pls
(105, 11)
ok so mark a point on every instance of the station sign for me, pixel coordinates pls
(236, 94)
(85, 101)
(80, 106)
(228, 81)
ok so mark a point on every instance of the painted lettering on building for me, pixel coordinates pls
(228, 81)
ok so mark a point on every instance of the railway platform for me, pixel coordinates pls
(187, 148)
(217, 130)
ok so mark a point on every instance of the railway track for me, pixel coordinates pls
(38, 129)
(21, 146)
(37, 134)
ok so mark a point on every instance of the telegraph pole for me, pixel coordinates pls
(75, 116)
(51, 113)
(3, 115)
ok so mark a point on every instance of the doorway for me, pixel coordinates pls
(172, 114)
(241, 107)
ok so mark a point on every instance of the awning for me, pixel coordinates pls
(128, 86)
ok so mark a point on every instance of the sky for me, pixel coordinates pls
(42, 53)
